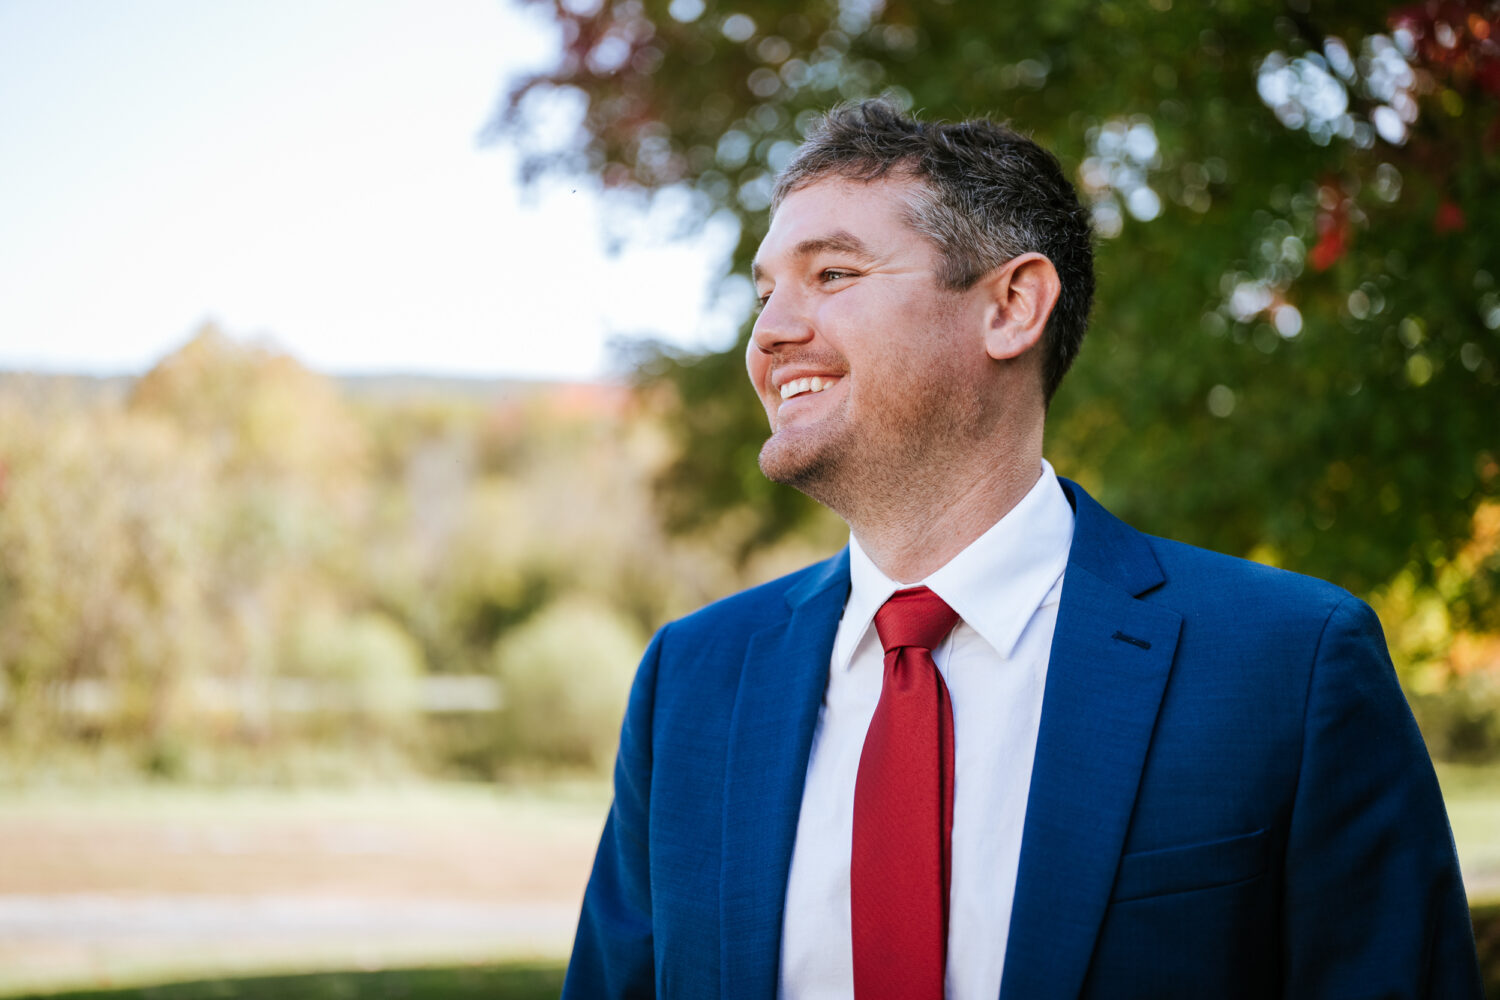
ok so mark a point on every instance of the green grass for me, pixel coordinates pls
(511, 981)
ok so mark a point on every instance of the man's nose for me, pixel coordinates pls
(781, 321)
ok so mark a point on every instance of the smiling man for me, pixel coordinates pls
(1002, 744)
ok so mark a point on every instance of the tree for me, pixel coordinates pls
(1295, 348)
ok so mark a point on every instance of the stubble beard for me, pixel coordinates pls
(904, 454)
(807, 466)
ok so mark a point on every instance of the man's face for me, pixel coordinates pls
(869, 370)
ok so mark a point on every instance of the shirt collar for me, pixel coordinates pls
(995, 584)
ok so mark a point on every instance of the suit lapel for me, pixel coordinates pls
(776, 709)
(1111, 654)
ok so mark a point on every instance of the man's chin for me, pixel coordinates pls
(793, 463)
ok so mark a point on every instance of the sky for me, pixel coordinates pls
(309, 173)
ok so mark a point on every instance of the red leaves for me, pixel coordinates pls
(1449, 218)
(1332, 222)
(1459, 40)
(1329, 248)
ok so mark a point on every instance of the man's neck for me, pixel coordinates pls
(911, 540)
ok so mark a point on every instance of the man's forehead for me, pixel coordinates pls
(831, 192)
(834, 214)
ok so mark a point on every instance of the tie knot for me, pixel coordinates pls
(914, 617)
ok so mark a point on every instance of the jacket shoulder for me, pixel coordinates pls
(1188, 579)
(1201, 583)
(1181, 561)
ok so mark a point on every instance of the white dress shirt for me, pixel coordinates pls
(1005, 588)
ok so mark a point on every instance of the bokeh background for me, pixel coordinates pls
(373, 387)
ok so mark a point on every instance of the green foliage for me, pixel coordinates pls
(566, 674)
(161, 559)
(235, 572)
(364, 664)
(100, 543)
(1295, 347)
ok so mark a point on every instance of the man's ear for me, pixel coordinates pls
(1020, 296)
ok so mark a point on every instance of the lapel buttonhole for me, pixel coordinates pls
(1142, 643)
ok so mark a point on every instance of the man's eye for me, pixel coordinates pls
(834, 274)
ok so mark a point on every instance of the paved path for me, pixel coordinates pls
(101, 921)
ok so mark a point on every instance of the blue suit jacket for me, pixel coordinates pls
(1229, 799)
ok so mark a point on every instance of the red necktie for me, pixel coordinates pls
(903, 811)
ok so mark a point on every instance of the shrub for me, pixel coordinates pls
(566, 674)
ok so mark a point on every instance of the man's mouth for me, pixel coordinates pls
(798, 386)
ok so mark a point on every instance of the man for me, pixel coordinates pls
(1002, 745)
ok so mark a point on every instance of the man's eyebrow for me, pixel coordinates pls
(839, 241)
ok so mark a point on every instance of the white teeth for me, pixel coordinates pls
(798, 386)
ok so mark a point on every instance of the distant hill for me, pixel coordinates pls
(84, 389)
(66, 389)
(403, 387)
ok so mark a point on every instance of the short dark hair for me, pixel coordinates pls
(991, 195)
